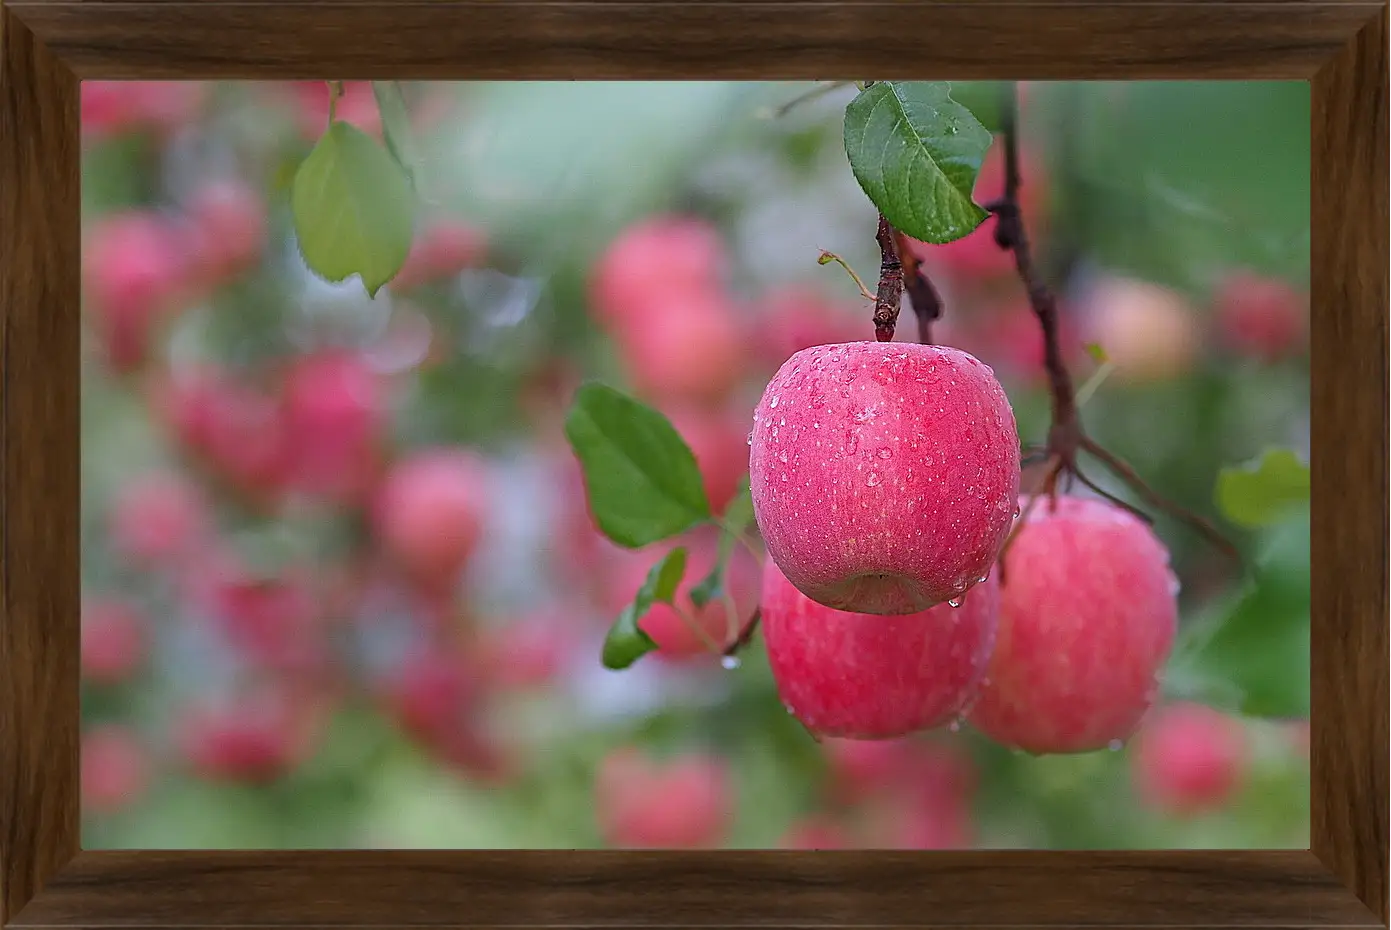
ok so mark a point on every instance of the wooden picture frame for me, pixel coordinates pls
(48, 46)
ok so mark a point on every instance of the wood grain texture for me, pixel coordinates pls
(556, 889)
(1349, 465)
(39, 483)
(43, 43)
(541, 39)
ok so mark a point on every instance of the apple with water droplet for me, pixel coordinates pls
(875, 677)
(884, 476)
(1088, 613)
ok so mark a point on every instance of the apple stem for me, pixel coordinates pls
(821, 90)
(922, 296)
(1065, 436)
(889, 301)
(745, 634)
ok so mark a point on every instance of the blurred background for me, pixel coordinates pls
(340, 585)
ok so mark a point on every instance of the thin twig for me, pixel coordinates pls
(745, 635)
(1127, 474)
(813, 94)
(825, 258)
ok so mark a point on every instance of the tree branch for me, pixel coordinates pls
(889, 300)
(926, 302)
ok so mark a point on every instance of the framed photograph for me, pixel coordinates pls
(597, 463)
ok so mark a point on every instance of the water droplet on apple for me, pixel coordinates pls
(982, 579)
(1115, 745)
(773, 404)
(782, 457)
(852, 445)
(955, 725)
(885, 452)
(1175, 586)
(873, 479)
(750, 439)
(730, 662)
(957, 601)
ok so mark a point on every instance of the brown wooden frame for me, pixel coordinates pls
(46, 46)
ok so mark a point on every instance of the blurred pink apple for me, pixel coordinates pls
(113, 641)
(430, 512)
(1188, 759)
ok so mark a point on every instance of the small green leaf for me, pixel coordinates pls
(396, 128)
(916, 153)
(1097, 353)
(641, 477)
(1265, 490)
(353, 209)
(735, 520)
(626, 642)
(709, 587)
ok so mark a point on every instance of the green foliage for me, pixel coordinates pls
(1262, 491)
(396, 128)
(916, 152)
(353, 209)
(1250, 654)
(641, 477)
(736, 518)
(626, 643)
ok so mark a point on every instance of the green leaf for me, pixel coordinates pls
(353, 209)
(1265, 490)
(1251, 655)
(626, 642)
(735, 520)
(641, 477)
(396, 128)
(916, 152)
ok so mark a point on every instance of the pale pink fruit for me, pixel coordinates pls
(440, 249)
(134, 270)
(683, 803)
(651, 260)
(719, 441)
(115, 770)
(113, 641)
(1189, 759)
(228, 220)
(158, 519)
(1148, 332)
(866, 676)
(335, 417)
(690, 347)
(430, 512)
(1087, 619)
(884, 475)
(797, 318)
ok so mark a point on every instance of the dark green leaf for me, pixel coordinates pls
(626, 642)
(1263, 491)
(353, 209)
(916, 152)
(640, 476)
(396, 128)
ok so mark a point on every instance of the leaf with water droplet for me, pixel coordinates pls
(916, 153)
(626, 642)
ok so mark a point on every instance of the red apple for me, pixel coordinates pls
(866, 676)
(683, 803)
(1262, 317)
(158, 519)
(884, 475)
(1189, 759)
(860, 769)
(114, 773)
(274, 622)
(113, 641)
(254, 740)
(430, 513)
(688, 347)
(440, 249)
(652, 260)
(1087, 619)
(134, 271)
(335, 417)
(529, 652)
(228, 220)
(432, 694)
(815, 833)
